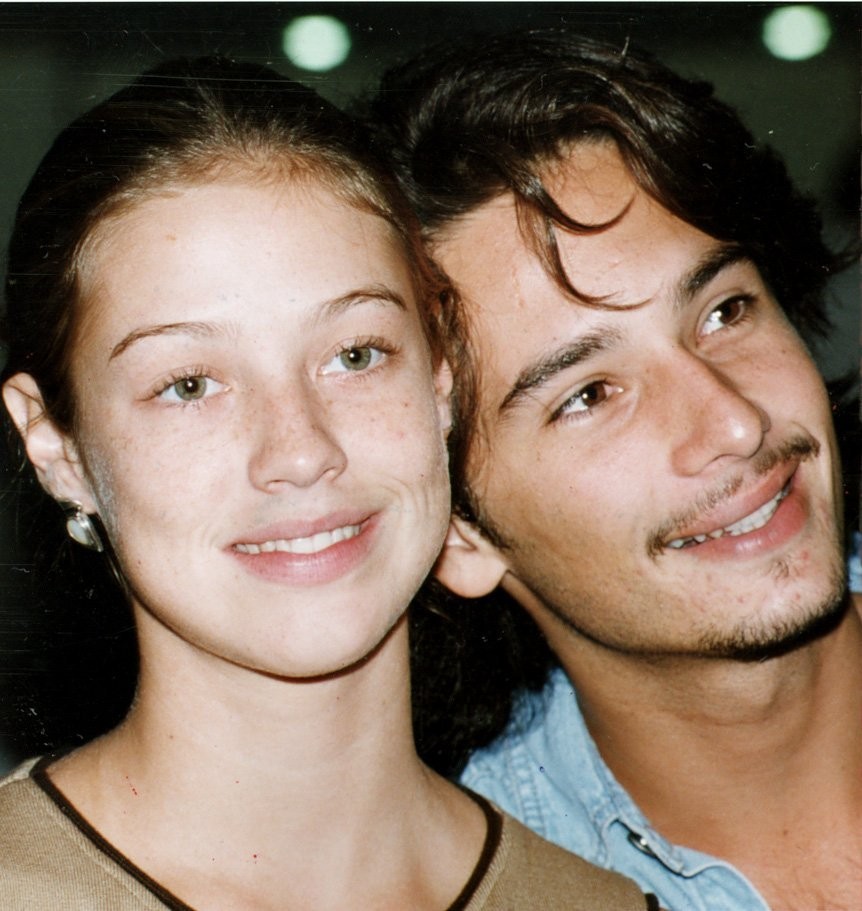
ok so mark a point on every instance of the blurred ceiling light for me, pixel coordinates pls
(317, 43)
(796, 32)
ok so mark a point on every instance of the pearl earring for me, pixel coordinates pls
(80, 528)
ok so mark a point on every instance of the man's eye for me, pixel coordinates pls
(354, 359)
(727, 313)
(191, 389)
(585, 399)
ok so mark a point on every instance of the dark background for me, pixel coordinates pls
(66, 655)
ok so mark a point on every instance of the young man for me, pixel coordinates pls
(645, 462)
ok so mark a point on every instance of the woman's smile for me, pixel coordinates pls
(313, 559)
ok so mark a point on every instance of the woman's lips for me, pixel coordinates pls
(315, 556)
(311, 544)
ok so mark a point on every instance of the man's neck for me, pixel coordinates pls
(756, 763)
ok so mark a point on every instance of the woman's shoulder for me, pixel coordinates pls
(527, 872)
(23, 810)
(46, 862)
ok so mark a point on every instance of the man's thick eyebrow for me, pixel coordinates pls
(201, 330)
(719, 258)
(537, 374)
(569, 355)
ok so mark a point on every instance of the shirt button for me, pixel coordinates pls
(641, 844)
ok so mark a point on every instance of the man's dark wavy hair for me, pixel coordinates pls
(464, 125)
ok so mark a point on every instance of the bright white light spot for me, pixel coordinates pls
(317, 43)
(796, 32)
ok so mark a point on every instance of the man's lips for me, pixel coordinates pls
(733, 511)
(740, 506)
(749, 523)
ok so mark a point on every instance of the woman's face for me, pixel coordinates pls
(261, 429)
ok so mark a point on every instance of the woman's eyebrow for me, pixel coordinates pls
(328, 309)
(374, 293)
(197, 329)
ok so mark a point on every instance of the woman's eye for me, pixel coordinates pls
(354, 359)
(587, 398)
(726, 314)
(191, 389)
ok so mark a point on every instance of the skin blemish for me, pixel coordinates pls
(132, 788)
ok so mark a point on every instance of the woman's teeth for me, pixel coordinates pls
(749, 523)
(310, 545)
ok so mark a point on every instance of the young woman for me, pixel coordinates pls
(223, 367)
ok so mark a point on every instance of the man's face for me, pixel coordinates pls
(662, 469)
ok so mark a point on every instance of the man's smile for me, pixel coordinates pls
(752, 522)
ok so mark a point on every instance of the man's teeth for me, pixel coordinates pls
(310, 545)
(756, 520)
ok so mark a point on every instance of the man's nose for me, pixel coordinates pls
(709, 417)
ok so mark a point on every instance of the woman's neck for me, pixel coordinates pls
(221, 777)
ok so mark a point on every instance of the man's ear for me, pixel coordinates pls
(52, 452)
(469, 565)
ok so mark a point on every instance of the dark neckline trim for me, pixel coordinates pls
(39, 774)
(493, 833)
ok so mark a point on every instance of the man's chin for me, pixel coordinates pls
(763, 644)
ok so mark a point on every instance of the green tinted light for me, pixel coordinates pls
(796, 32)
(317, 43)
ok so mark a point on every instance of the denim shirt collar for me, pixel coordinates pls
(583, 771)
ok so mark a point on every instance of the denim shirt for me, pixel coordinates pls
(854, 564)
(546, 771)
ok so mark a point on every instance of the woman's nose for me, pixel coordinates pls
(294, 443)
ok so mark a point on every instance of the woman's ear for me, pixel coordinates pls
(52, 452)
(469, 565)
(443, 394)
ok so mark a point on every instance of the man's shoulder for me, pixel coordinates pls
(534, 712)
(545, 771)
(544, 738)
(531, 873)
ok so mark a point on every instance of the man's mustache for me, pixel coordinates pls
(800, 447)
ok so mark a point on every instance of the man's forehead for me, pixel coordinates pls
(485, 252)
(589, 180)
(501, 275)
